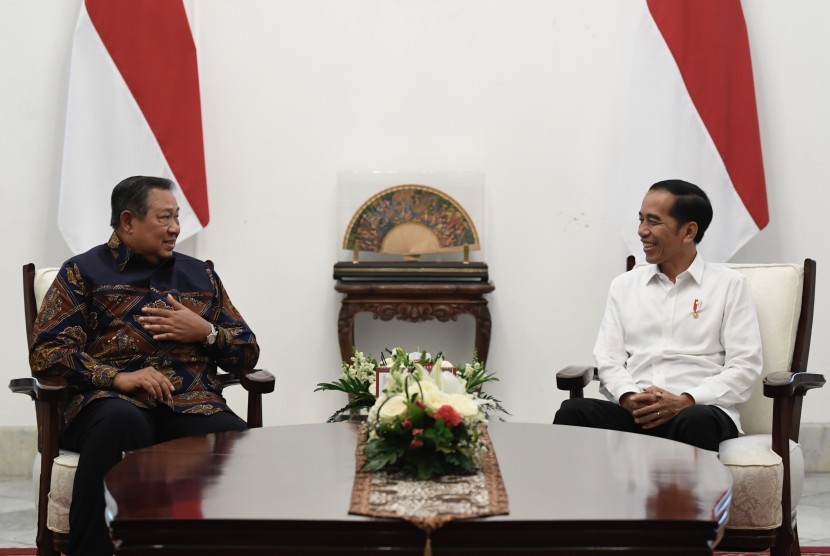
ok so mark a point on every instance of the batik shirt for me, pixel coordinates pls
(87, 330)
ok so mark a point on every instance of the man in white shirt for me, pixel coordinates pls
(679, 345)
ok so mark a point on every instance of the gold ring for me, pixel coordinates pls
(658, 414)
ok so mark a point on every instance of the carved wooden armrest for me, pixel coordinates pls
(46, 389)
(785, 384)
(574, 379)
(257, 381)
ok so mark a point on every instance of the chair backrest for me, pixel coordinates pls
(35, 285)
(784, 296)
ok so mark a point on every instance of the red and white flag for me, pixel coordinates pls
(133, 109)
(692, 116)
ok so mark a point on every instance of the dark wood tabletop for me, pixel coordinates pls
(286, 490)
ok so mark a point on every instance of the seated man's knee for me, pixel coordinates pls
(694, 416)
(572, 412)
(698, 426)
(231, 422)
(121, 423)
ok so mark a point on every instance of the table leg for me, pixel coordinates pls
(345, 330)
(483, 326)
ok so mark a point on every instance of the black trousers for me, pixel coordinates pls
(704, 426)
(101, 433)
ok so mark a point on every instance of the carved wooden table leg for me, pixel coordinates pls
(345, 329)
(483, 327)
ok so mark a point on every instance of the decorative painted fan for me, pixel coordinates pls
(411, 220)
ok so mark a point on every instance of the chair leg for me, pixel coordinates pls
(45, 542)
(796, 549)
(46, 545)
(786, 544)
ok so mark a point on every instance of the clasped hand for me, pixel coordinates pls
(178, 324)
(654, 406)
(153, 384)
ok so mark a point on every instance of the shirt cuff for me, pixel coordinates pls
(702, 395)
(619, 390)
(103, 375)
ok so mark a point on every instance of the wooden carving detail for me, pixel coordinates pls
(414, 303)
(415, 311)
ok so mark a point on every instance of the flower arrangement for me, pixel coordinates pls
(359, 375)
(425, 424)
(426, 418)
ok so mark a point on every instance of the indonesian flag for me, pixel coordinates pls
(692, 117)
(133, 109)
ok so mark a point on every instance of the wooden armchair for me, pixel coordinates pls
(55, 492)
(767, 464)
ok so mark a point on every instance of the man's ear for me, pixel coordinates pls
(690, 232)
(126, 221)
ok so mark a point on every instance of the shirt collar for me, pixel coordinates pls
(121, 254)
(695, 270)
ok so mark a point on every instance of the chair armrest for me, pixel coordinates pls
(258, 381)
(785, 384)
(227, 379)
(50, 389)
(574, 379)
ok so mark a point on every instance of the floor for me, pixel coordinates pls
(17, 512)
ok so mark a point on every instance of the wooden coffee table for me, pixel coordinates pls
(286, 490)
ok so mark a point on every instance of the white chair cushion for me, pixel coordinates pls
(776, 291)
(60, 490)
(43, 280)
(757, 474)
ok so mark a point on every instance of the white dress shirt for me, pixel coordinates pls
(698, 335)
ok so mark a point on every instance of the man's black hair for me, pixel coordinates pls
(131, 194)
(691, 204)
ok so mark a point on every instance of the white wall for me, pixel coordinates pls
(527, 91)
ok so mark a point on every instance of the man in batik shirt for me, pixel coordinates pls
(137, 331)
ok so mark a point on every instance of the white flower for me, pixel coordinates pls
(392, 408)
(416, 356)
(453, 384)
(373, 411)
(434, 399)
(464, 404)
(435, 373)
(422, 387)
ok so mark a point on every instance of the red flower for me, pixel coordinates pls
(407, 424)
(420, 404)
(417, 432)
(450, 416)
(416, 443)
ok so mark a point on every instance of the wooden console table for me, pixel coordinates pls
(414, 302)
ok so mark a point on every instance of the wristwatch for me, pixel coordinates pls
(211, 338)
